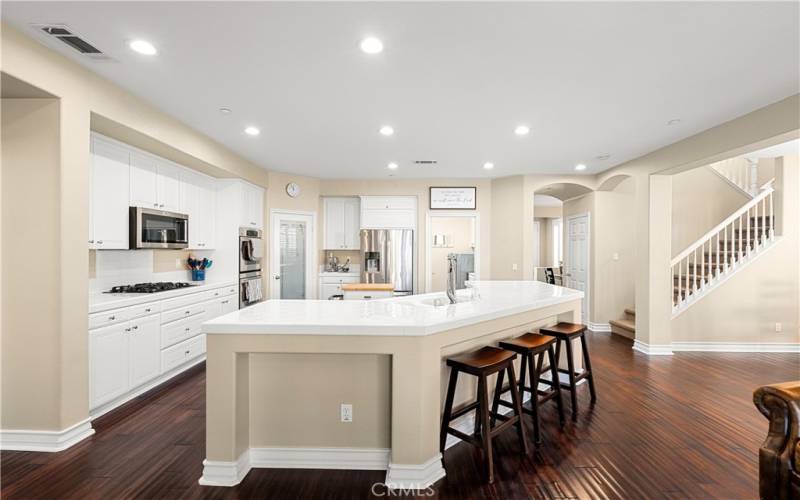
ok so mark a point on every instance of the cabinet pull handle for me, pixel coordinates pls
(147, 310)
(99, 242)
(187, 328)
(186, 312)
(112, 318)
(161, 206)
(187, 352)
(91, 241)
(127, 329)
(135, 327)
(155, 205)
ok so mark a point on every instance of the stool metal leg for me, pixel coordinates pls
(556, 386)
(573, 393)
(448, 408)
(588, 367)
(516, 400)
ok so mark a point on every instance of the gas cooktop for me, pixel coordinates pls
(149, 287)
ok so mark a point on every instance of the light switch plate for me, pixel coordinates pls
(347, 412)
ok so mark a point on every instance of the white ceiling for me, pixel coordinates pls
(454, 78)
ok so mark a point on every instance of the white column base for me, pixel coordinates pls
(45, 441)
(216, 473)
(652, 349)
(414, 476)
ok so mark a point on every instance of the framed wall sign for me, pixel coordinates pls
(453, 198)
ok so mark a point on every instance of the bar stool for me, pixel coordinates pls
(482, 363)
(566, 332)
(533, 347)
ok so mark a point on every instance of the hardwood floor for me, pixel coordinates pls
(663, 427)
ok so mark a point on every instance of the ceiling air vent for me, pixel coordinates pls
(66, 35)
(425, 162)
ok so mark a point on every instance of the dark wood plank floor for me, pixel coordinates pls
(664, 427)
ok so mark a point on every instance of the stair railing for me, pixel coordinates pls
(741, 172)
(723, 249)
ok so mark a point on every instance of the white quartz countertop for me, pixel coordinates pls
(409, 315)
(99, 302)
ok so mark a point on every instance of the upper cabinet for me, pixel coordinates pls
(252, 213)
(388, 212)
(198, 199)
(155, 182)
(342, 223)
(109, 173)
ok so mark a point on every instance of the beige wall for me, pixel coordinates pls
(747, 306)
(462, 231)
(508, 234)
(81, 95)
(701, 199)
(420, 189)
(32, 330)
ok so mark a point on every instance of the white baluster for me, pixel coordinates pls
(741, 240)
(771, 220)
(757, 237)
(764, 227)
(726, 248)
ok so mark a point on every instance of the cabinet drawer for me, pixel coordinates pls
(231, 290)
(184, 300)
(388, 202)
(182, 353)
(144, 309)
(180, 330)
(184, 312)
(222, 292)
(98, 320)
(335, 280)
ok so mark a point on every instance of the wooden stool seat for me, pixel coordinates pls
(565, 333)
(528, 342)
(483, 363)
(564, 330)
(477, 362)
(533, 347)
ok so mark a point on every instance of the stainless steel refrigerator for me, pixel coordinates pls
(388, 257)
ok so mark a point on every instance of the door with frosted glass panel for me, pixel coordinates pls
(291, 256)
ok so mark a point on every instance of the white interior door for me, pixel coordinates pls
(292, 256)
(577, 265)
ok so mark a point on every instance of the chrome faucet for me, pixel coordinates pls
(452, 269)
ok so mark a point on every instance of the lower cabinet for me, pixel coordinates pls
(127, 355)
(332, 285)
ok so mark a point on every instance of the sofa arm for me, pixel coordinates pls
(779, 456)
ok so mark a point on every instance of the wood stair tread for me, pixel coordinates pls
(625, 324)
(631, 312)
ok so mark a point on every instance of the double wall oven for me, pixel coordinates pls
(251, 254)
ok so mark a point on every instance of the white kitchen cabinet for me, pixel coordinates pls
(108, 190)
(252, 214)
(332, 285)
(154, 182)
(144, 349)
(108, 366)
(228, 304)
(342, 223)
(198, 201)
(388, 212)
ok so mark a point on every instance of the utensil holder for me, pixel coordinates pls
(198, 274)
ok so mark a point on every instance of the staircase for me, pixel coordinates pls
(741, 173)
(626, 326)
(713, 258)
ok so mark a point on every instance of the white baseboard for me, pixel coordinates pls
(599, 327)
(46, 441)
(216, 473)
(652, 349)
(320, 458)
(735, 347)
(414, 476)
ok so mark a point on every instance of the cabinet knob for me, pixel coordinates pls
(147, 310)
(187, 328)
(187, 352)
(161, 206)
(99, 242)
(91, 241)
(155, 205)
(135, 327)
(112, 318)
(127, 329)
(186, 312)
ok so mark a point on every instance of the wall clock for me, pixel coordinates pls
(293, 189)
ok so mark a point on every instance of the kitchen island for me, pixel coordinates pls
(280, 373)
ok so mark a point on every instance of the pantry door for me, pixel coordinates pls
(292, 255)
(576, 272)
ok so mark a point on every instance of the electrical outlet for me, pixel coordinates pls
(778, 327)
(347, 412)
(513, 267)
(178, 263)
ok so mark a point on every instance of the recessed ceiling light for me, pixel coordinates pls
(522, 130)
(488, 165)
(143, 47)
(674, 121)
(371, 45)
(604, 156)
(386, 130)
(580, 166)
(392, 166)
(252, 131)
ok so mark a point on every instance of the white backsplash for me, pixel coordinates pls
(127, 267)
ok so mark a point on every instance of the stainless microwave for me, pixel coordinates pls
(158, 229)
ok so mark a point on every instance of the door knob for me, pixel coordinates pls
(277, 277)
